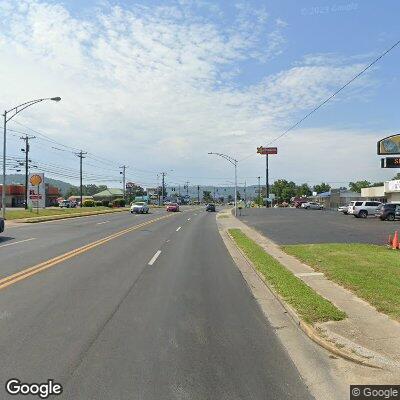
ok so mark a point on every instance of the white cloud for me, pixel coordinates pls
(154, 86)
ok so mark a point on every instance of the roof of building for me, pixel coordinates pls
(109, 193)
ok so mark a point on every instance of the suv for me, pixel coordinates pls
(388, 211)
(361, 209)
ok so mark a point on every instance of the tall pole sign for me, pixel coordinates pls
(266, 151)
(389, 146)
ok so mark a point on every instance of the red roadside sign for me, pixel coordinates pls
(267, 150)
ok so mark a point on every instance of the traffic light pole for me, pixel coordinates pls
(267, 180)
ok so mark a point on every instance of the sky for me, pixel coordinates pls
(156, 85)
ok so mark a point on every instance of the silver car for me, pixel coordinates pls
(140, 207)
(312, 205)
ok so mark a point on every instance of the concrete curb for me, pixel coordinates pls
(309, 330)
(56, 217)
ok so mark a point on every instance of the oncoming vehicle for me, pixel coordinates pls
(1, 224)
(361, 209)
(312, 205)
(210, 207)
(140, 207)
(388, 211)
(173, 207)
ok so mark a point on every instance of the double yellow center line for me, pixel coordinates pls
(10, 280)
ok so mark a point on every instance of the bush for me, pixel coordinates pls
(88, 203)
(119, 203)
(105, 203)
(98, 203)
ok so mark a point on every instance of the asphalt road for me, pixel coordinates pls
(154, 312)
(295, 226)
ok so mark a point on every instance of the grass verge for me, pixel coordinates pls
(309, 305)
(371, 272)
(57, 212)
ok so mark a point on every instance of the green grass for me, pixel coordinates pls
(310, 306)
(371, 272)
(17, 214)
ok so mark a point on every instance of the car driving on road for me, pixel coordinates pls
(140, 208)
(361, 209)
(388, 212)
(210, 207)
(174, 207)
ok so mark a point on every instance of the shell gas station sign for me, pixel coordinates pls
(36, 191)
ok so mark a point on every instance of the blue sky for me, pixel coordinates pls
(157, 84)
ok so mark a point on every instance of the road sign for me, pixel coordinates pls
(390, 162)
(389, 145)
(267, 150)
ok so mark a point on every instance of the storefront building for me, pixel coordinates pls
(388, 193)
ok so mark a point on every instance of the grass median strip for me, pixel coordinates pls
(371, 272)
(309, 305)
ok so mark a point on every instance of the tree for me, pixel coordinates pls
(230, 198)
(321, 188)
(238, 197)
(207, 196)
(357, 186)
(303, 190)
(283, 189)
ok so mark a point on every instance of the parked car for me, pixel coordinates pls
(344, 209)
(65, 204)
(388, 211)
(298, 203)
(312, 205)
(361, 209)
(1, 225)
(173, 207)
(210, 207)
(139, 207)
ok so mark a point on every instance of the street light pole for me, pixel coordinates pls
(13, 112)
(234, 162)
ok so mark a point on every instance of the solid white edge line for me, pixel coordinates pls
(20, 241)
(103, 222)
(178, 229)
(154, 258)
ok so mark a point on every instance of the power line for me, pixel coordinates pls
(331, 96)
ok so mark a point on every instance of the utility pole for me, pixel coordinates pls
(259, 190)
(80, 155)
(162, 188)
(198, 194)
(214, 195)
(26, 139)
(245, 195)
(267, 180)
(124, 167)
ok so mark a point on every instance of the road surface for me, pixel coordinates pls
(156, 310)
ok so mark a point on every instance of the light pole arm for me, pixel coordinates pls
(16, 110)
(228, 158)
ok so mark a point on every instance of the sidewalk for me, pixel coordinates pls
(366, 332)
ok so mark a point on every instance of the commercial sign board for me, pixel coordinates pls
(129, 185)
(267, 150)
(389, 145)
(390, 162)
(36, 191)
(393, 186)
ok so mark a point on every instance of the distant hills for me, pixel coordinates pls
(20, 179)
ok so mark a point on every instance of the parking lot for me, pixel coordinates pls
(299, 226)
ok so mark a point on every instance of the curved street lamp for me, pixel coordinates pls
(9, 114)
(234, 163)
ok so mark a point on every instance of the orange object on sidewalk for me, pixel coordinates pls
(395, 244)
